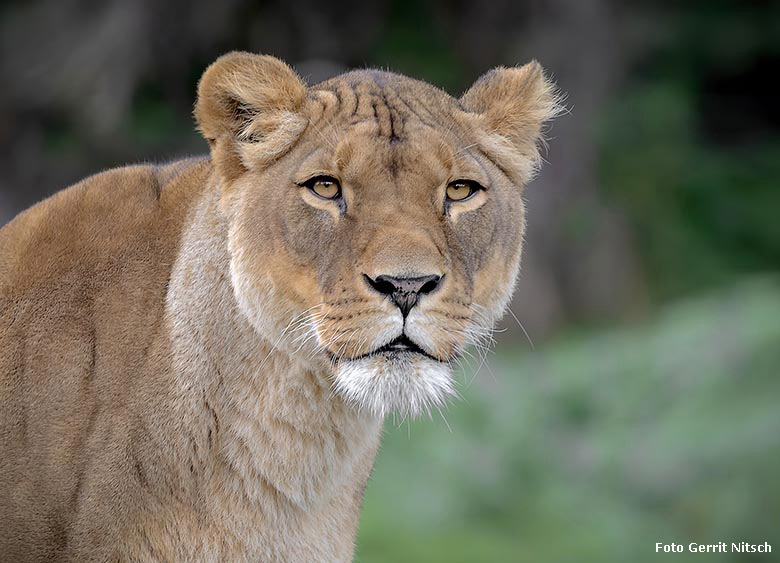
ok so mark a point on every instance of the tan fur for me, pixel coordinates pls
(182, 348)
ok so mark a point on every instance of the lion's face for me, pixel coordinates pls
(383, 238)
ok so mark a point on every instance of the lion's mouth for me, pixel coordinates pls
(401, 345)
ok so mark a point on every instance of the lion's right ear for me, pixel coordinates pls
(511, 105)
(249, 109)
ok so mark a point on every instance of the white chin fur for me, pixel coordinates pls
(404, 383)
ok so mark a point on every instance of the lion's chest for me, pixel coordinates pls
(224, 529)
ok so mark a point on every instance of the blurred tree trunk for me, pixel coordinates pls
(580, 259)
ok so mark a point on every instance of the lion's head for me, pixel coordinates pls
(376, 223)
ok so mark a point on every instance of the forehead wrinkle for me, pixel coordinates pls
(386, 118)
(396, 115)
(375, 109)
(382, 105)
(365, 107)
(373, 122)
(323, 105)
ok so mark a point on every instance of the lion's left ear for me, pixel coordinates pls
(514, 103)
(249, 109)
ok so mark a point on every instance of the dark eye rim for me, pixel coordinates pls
(473, 185)
(309, 184)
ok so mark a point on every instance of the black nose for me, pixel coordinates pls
(404, 292)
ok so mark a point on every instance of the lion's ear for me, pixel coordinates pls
(249, 109)
(514, 103)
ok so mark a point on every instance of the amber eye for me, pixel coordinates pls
(324, 187)
(461, 190)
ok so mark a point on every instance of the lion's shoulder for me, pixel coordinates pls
(97, 222)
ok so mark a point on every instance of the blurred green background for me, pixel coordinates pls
(648, 409)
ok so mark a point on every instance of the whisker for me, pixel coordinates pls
(447, 424)
(511, 312)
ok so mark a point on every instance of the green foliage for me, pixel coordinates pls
(702, 214)
(596, 447)
(691, 146)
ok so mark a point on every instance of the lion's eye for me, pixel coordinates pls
(461, 190)
(324, 187)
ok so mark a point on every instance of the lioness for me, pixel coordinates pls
(196, 358)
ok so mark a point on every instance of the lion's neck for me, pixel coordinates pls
(255, 421)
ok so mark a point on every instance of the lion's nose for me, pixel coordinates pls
(404, 292)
